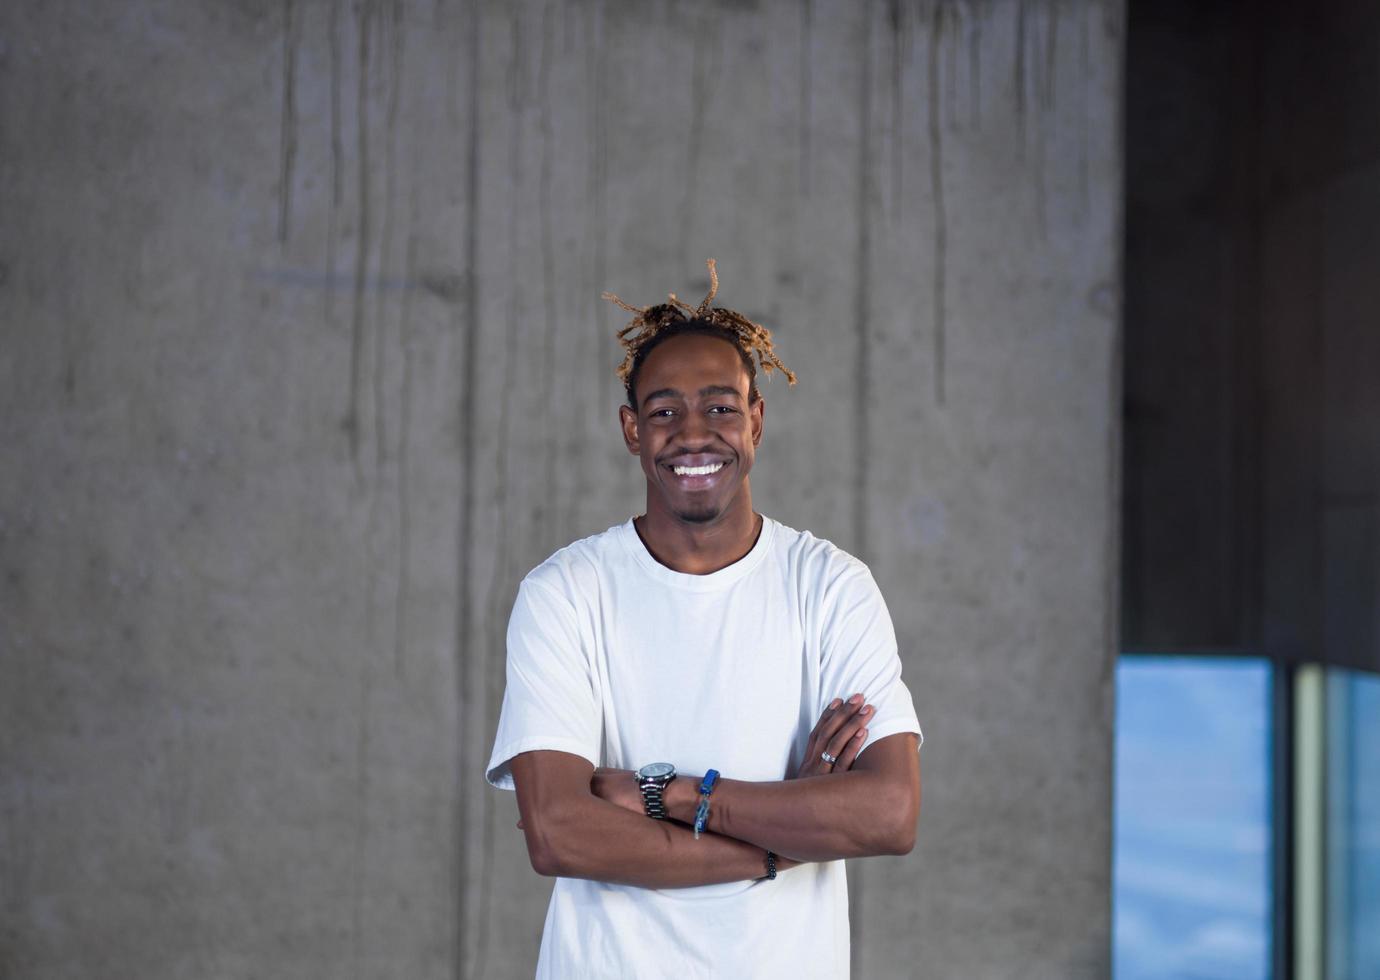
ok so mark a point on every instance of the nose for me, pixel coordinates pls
(694, 430)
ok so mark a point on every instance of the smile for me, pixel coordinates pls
(705, 470)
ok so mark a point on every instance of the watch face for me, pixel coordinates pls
(657, 770)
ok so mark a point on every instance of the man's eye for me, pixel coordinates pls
(663, 413)
(723, 409)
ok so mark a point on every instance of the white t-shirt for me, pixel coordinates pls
(622, 661)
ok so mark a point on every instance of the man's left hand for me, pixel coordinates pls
(841, 731)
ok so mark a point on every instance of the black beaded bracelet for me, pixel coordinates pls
(771, 867)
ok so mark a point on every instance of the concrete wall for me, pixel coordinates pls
(304, 366)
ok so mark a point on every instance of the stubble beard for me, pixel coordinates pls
(703, 516)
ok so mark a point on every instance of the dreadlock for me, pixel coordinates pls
(652, 325)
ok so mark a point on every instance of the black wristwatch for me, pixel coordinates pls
(652, 781)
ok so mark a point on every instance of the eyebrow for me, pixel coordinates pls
(704, 392)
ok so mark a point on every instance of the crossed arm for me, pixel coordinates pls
(581, 822)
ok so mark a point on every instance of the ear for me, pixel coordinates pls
(627, 418)
(755, 412)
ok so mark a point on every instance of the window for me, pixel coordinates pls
(1192, 858)
(1195, 844)
(1353, 838)
(1339, 866)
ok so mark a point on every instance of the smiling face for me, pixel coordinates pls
(694, 430)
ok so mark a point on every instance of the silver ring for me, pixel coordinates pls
(828, 758)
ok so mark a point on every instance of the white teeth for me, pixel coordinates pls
(697, 470)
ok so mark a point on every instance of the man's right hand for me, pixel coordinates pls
(840, 732)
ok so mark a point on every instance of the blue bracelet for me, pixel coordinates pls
(702, 812)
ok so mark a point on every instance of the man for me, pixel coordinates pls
(702, 636)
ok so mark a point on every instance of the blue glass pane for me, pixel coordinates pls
(1353, 827)
(1191, 868)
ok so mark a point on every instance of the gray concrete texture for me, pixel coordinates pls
(304, 365)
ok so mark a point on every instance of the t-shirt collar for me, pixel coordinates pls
(711, 582)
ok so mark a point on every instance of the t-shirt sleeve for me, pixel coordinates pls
(550, 700)
(858, 650)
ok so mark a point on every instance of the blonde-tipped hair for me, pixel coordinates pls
(652, 324)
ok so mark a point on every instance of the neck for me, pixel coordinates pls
(698, 549)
